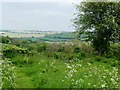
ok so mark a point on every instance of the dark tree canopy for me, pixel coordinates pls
(101, 22)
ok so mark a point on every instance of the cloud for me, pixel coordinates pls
(41, 16)
(43, 12)
(36, 10)
(65, 1)
(53, 13)
(0, 15)
(28, 12)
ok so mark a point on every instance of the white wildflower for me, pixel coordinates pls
(103, 85)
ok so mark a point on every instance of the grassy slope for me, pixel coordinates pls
(37, 70)
(41, 71)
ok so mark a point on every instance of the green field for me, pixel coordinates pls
(43, 36)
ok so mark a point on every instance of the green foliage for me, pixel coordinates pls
(60, 49)
(114, 51)
(98, 58)
(101, 45)
(85, 48)
(41, 47)
(46, 72)
(100, 21)
(59, 65)
(6, 39)
(7, 74)
(21, 60)
(111, 61)
(80, 56)
(11, 50)
(77, 50)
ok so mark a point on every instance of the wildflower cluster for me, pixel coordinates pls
(89, 75)
(7, 74)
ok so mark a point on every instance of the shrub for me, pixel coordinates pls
(79, 56)
(83, 55)
(86, 48)
(41, 47)
(115, 51)
(98, 58)
(6, 39)
(70, 57)
(10, 51)
(60, 49)
(113, 62)
(77, 50)
(55, 55)
(68, 48)
(52, 47)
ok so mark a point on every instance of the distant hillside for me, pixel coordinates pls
(47, 36)
(64, 36)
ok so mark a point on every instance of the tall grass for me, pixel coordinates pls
(44, 72)
(65, 65)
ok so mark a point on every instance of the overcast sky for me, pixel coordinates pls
(45, 16)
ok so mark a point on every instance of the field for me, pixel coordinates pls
(26, 34)
(19, 35)
(47, 36)
(57, 65)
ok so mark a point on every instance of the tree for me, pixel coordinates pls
(100, 21)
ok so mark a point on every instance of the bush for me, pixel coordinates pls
(86, 48)
(98, 58)
(77, 50)
(10, 51)
(55, 55)
(41, 47)
(79, 56)
(113, 62)
(115, 51)
(6, 39)
(60, 49)
(70, 57)
(52, 47)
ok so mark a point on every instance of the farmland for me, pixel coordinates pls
(25, 34)
(48, 36)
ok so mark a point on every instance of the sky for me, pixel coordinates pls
(47, 15)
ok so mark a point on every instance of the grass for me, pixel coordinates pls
(44, 72)
(65, 65)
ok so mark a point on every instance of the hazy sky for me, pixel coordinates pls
(38, 15)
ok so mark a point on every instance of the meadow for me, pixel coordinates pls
(74, 64)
